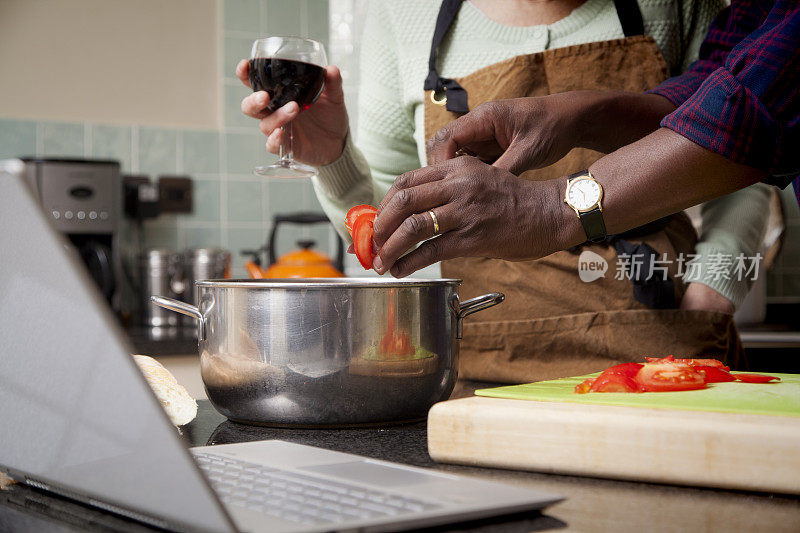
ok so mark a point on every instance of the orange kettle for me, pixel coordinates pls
(302, 263)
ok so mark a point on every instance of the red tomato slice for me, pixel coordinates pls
(755, 378)
(665, 377)
(614, 383)
(625, 369)
(667, 359)
(691, 362)
(715, 374)
(702, 362)
(584, 387)
(362, 239)
(353, 214)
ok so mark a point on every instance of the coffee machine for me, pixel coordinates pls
(83, 199)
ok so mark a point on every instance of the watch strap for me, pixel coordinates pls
(593, 225)
(592, 221)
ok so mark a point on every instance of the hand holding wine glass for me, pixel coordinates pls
(289, 75)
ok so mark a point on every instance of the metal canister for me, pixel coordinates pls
(157, 270)
(201, 263)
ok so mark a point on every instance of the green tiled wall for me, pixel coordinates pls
(232, 207)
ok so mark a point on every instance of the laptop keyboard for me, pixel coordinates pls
(297, 497)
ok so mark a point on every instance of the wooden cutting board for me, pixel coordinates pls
(731, 435)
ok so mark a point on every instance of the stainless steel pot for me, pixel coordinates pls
(305, 352)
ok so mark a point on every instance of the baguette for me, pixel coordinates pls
(175, 399)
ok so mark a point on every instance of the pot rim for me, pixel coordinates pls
(323, 283)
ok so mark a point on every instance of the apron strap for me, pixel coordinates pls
(456, 96)
(630, 17)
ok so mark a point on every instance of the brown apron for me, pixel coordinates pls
(552, 324)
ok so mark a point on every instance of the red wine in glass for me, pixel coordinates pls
(287, 80)
(288, 69)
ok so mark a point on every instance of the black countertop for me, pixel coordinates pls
(592, 504)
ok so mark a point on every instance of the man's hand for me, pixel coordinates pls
(700, 297)
(481, 210)
(527, 133)
(319, 132)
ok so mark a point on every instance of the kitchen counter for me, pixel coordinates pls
(591, 504)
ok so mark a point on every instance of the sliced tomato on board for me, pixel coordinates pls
(667, 359)
(585, 386)
(669, 376)
(691, 362)
(624, 369)
(755, 378)
(614, 383)
(714, 374)
(354, 213)
(362, 239)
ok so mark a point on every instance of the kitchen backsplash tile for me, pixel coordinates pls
(284, 196)
(17, 138)
(233, 107)
(201, 152)
(112, 142)
(244, 200)
(243, 15)
(236, 49)
(159, 236)
(284, 18)
(245, 151)
(62, 139)
(157, 151)
(194, 237)
(239, 239)
(206, 195)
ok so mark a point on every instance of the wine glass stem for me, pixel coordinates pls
(286, 145)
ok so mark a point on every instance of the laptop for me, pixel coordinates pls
(78, 419)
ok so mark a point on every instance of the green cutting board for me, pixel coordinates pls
(778, 399)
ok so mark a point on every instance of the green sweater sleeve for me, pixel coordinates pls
(732, 225)
(385, 130)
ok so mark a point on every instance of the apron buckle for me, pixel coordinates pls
(442, 101)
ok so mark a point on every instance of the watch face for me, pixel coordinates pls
(583, 194)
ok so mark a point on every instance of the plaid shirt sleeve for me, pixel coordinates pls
(741, 99)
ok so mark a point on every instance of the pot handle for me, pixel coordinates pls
(183, 308)
(474, 305)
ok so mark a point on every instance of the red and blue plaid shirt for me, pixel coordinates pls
(741, 98)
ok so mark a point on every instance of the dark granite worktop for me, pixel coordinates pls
(591, 504)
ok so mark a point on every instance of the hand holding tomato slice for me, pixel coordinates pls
(359, 221)
(362, 239)
(353, 214)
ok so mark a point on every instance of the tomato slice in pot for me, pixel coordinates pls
(755, 378)
(666, 377)
(354, 213)
(715, 374)
(362, 239)
(614, 383)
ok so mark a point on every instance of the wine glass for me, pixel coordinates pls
(288, 68)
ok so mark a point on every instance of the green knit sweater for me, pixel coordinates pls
(394, 59)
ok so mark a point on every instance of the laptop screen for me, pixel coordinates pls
(75, 413)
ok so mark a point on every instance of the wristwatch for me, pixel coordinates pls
(584, 195)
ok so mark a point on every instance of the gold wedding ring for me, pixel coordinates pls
(435, 222)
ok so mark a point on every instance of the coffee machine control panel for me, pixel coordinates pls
(80, 197)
